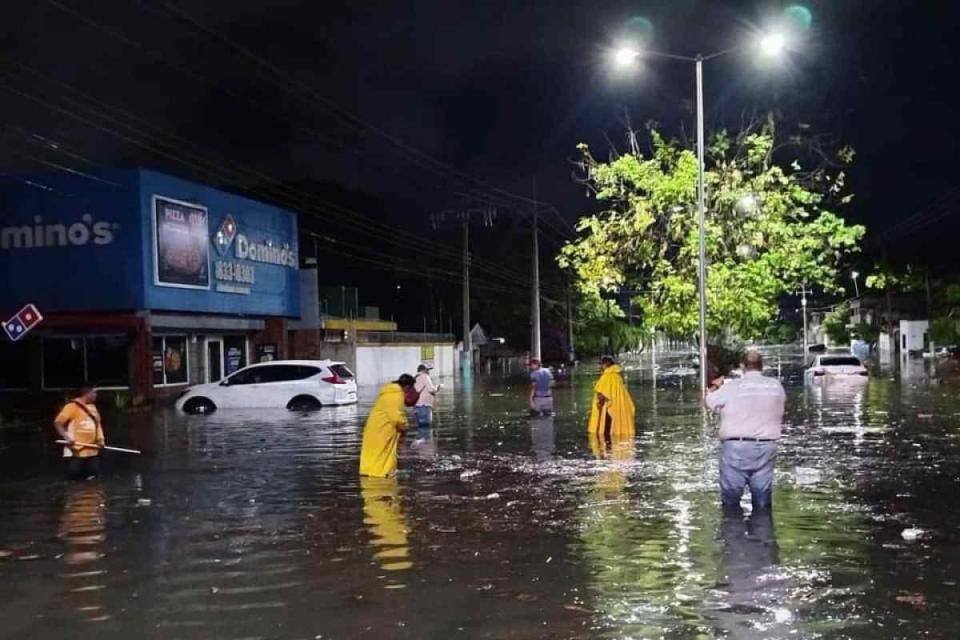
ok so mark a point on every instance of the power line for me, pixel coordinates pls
(317, 97)
(288, 195)
(438, 167)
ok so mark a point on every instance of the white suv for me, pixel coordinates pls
(299, 385)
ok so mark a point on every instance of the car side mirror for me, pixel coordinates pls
(225, 382)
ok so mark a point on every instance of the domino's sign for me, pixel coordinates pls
(42, 234)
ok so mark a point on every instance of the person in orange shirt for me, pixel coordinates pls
(79, 424)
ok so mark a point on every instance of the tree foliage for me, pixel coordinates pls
(895, 279)
(769, 229)
(602, 327)
(835, 324)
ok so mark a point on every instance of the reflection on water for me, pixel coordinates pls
(243, 525)
(383, 516)
(542, 437)
(83, 531)
(753, 601)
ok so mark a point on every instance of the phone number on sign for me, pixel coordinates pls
(235, 272)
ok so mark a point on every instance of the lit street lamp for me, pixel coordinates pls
(856, 287)
(771, 45)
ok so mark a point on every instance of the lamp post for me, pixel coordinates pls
(856, 286)
(771, 44)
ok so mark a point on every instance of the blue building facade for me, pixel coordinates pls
(146, 281)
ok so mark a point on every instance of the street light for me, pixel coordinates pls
(770, 44)
(625, 57)
(773, 44)
(856, 287)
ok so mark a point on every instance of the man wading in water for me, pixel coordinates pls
(751, 412)
(79, 424)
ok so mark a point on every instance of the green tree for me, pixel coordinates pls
(835, 324)
(944, 331)
(866, 332)
(602, 327)
(770, 229)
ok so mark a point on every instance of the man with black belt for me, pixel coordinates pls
(751, 412)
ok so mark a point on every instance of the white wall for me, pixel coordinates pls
(913, 331)
(377, 364)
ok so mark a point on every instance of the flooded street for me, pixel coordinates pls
(256, 525)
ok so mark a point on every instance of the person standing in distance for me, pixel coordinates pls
(385, 424)
(79, 424)
(541, 389)
(751, 415)
(426, 394)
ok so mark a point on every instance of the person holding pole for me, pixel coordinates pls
(78, 424)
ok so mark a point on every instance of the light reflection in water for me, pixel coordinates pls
(383, 516)
(83, 530)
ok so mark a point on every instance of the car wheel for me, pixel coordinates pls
(199, 406)
(303, 403)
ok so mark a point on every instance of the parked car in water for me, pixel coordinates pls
(298, 385)
(832, 366)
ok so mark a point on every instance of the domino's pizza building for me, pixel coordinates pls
(146, 282)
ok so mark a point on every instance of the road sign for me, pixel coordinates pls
(19, 325)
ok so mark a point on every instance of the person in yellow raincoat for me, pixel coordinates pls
(612, 411)
(385, 424)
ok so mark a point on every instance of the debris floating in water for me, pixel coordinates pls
(493, 496)
(466, 475)
(912, 533)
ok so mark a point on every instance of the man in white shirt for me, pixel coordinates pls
(427, 391)
(751, 413)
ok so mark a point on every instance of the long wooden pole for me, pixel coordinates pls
(97, 446)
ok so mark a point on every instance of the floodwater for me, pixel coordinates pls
(256, 525)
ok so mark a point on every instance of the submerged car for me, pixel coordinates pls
(837, 367)
(298, 385)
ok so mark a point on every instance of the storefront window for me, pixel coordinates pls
(69, 363)
(15, 372)
(156, 360)
(107, 361)
(169, 360)
(63, 366)
(235, 353)
(175, 359)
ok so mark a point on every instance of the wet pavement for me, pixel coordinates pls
(255, 525)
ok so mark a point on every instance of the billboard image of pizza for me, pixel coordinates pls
(181, 245)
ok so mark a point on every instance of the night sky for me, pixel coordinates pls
(373, 116)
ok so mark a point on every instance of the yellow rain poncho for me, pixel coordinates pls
(618, 406)
(381, 433)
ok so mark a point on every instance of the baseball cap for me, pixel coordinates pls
(425, 366)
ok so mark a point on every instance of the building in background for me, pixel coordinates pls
(334, 326)
(147, 282)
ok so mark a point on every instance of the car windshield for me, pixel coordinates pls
(341, 371)
(840, 361)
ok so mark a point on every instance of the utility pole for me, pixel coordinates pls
(572, 354)
(488, 214)
(803, 303)
(467, 341)
(926, 282)
(701, 231)
(535, 300)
